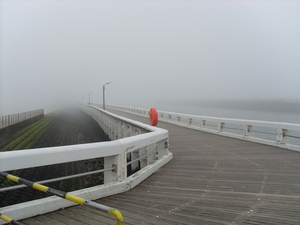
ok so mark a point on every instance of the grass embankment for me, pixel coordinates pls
(27, 137)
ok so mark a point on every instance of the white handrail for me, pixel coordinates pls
(129, 138)
(283, 135)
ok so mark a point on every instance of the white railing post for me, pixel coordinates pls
(128, 131)
(280, 134)
(220, 126)
(161, 115)
(162, 147)
(202, 123)
(143, 161)
(120, 129)
(110, 131)
(190, 121)
(152, 153)
(115, 130)
(118, 163)
(247, 130)
(137, 131)
(135, 155)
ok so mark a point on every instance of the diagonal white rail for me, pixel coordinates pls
(145, 145)
(282, 135)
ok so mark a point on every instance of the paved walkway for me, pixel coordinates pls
(211, 180)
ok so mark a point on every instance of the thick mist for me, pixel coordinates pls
(55, 53)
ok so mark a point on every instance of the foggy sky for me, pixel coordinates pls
(54, 53)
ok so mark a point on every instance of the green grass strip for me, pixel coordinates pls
(31, 135)
(23, 135)
(27, 137)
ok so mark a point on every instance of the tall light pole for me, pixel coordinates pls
(90, 97)
(104, 94)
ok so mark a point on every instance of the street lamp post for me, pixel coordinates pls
(104, 94)
(90, 97)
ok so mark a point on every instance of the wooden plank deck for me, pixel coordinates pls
(211, 180)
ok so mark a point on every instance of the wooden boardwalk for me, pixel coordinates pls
(211, 180)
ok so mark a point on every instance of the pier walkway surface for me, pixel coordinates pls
(211, 180)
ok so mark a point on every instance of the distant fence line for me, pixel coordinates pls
(9, 120)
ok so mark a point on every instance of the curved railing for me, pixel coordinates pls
(283, 135)
(145, 146)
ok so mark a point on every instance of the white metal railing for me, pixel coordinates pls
(283, 135)
(145, 145)
(8, 120)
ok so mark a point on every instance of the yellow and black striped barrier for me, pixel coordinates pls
(73, 198)
(9, 220)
